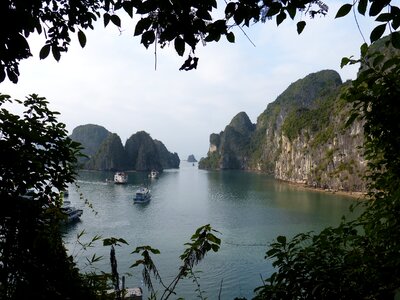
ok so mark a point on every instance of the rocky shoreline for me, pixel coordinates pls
(352, 194)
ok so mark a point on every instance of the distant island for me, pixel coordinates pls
(104, 151)
(301, 138)
(191, 158)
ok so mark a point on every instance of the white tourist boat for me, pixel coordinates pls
(142, 195)
(120, 178)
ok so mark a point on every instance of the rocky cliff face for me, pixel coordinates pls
(106, 152)
(167, 159)
(144, 153)
(229, 148)
(109, 156)
(300, 137)
(335, 163)
(91, 136)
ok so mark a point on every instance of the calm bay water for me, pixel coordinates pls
(249, 210)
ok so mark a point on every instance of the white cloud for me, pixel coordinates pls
(112, 81)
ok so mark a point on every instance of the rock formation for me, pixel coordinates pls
(301, 137)
(91, 136)
(105, 151)
(191, 158)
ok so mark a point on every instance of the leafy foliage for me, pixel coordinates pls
(358, 259)
(36, 163)
(202, 241)
(354, 260)
(184, 24)
(211, 162)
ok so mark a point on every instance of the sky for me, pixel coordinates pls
(112, 81)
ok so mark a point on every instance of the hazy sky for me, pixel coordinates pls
(112, 82)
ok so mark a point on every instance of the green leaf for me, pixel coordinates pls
(2, 74)
(281, 239)
(179, 44)
(230, 37)
(82, 38)
(291, 11)
(272, 252)
(12, 76)
(395, 38)
(136, 263)
(106, 18)
(376, 7)
(239, 16)
(344, 62)
(395, 23)
(128, 7)
(300, 26)
(230, 9)
(56, 52)
(377, 33)
(215, 247)
(44, 52)
(388, 64)
(344, 10)
(142, 25)
(154, 251)
(148, 38)
(203, 14)
(364, 49)
(116, 20)
(377, 60)
(274, 9)
(280, 18)
(385, 17)
(362, 6)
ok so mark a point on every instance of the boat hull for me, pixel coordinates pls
(142, 196)
(120, 178)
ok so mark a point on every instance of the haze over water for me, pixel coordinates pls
(249, 210)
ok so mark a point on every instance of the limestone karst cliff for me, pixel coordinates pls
(144, 153)
(110, 155)
(105, 151)
(91, 136)
(300, 137)
(229, 148)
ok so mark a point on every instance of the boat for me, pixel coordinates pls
(154, 174)
(72, 213)
(120, 178)
(142, 195)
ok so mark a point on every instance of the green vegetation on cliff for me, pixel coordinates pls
(293, 135)
(110, 155)
(229, 149)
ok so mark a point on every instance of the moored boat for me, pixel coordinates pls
(72, 213)
(153, 174)
(142, 195)
(120, 178)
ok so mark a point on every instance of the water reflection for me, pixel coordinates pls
(249, 210)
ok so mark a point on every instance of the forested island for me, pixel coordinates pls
(301, 137)
(104, 151)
